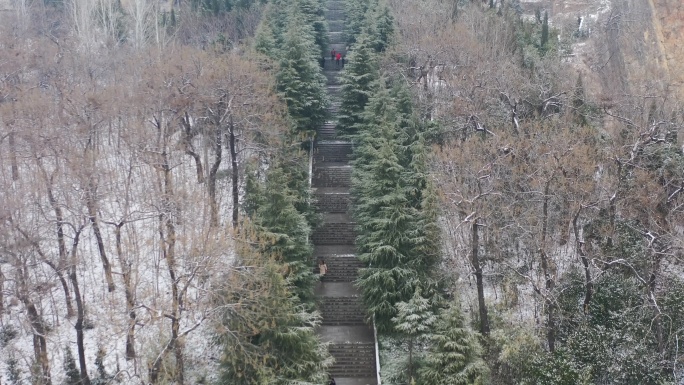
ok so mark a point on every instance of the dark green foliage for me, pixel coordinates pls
(355, 17)
(73, 376)
(455, 355)
(266, 334)
(218, 7)
(103, 377)
(545, 31)
(300, 81)
(414, 321)
(14, 375)
(579, 109)
(265, 41)
(554, 369)
(285, 232)
(7, 334)
(313, 14)
(380, 27)
(357, 82)
(397, 238)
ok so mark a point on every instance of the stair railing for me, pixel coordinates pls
(377, 352)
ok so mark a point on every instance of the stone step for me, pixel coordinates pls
(342, 311)
(326, 251)
(334, 90)
(333, 202)
(336, 37)
(338, 151)
(334, 4)
(332, 74)
(338, 47)
(335, 229)
(333, 14)
(331, 175)
(353, 360)
(336, 26)
(340, 269)
(327, 131)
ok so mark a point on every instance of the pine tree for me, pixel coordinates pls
(313, 15)
(357, 85)
(355, 12)
(383, 212)
(73, 376)
(13, 371)
(300, 81)
(383, 30)
(284, 232)
(545, 31)
(103, 377)
(414, 321)
(455, 356)
(266, 333)
(265, 41)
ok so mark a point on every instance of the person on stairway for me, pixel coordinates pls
(337, 59)
(322, 268)
(332, 381)
(342, 61)
(332, 55)
(322, 61)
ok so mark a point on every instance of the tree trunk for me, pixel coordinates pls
(475, 260)
(652, 286)
(589, 286)
(13, 156)
(189, 149)
(92, 215)
(62, 264)
(2, 289)
(218, 157)
(169, 248)
(234, 171)
(128, 290)
(37, 326)
(548, 275)
(80, 314)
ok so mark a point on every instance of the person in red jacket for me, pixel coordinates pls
(337, 59)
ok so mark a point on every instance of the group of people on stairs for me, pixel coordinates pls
(336, 57)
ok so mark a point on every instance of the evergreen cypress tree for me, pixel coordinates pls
(102, 376)
(300, 81)
(266, 333)
(314, 15)
(455, 356)
(383, 27)
(357, 85)
(414, 321)
(265, 40)
(545, 31)
(355, 16)
(13, 371)
(285, 233)
(73, 376)
(383, 212)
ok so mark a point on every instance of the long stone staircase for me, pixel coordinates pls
(344, 325)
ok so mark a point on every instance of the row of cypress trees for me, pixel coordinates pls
(266, 328)
(395, 207)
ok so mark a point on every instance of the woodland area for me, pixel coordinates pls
(518, 216)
